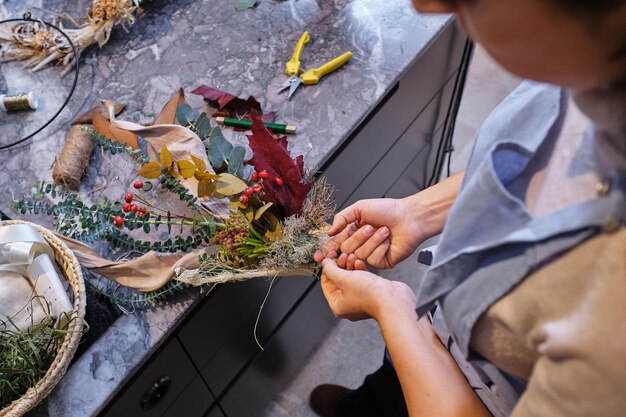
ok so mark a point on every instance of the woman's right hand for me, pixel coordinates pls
(381, 232)
(385, 231)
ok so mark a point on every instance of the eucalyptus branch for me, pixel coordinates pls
(118, 148)
(141, 300)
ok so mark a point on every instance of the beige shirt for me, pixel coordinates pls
(564, 330)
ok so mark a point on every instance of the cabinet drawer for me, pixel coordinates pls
(193, 402)
(416, 89)
(415, 176)
(417, 140)
(237, 345)
(219, 318)
(156, 386)
(215, 412)
(283, 356)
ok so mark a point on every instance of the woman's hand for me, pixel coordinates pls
(381, 232)
(358, 294)
(385, 231)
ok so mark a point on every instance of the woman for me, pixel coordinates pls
(529, 277)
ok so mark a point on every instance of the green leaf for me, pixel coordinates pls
(235, 161)
(244, 4)
(219, 149)
(203, 126)
(146, 227)
(184, 114)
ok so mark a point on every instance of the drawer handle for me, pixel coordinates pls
(156, 392)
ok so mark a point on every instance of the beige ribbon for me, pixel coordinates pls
(148, 272)
(25, 255)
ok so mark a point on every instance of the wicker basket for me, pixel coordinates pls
(71, 269)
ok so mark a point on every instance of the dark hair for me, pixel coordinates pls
(590, 8)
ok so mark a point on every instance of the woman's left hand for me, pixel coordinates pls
(356, 294)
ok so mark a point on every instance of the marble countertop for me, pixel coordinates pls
(186, 43)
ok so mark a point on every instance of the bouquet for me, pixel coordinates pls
(238, 216)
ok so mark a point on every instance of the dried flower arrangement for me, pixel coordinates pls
(243, 218)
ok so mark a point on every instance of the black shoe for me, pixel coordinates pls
(324, 399)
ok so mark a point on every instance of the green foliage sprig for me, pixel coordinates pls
(118, 148)
(138, 300)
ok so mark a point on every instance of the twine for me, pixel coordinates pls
(74, 158)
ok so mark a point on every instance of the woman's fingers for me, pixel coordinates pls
(330, 249)
(344, 218)
(364, 241)
(378, 257)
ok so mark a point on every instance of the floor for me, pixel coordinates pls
(352, 350)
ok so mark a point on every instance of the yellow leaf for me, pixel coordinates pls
(166, 157)
(262, 210)
(274, 230)
(200, 164)
(248, 212)
(150, 170)
(186, 169)
(205, 188)
(205, 176)
(228, 185)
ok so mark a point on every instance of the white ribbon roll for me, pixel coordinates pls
(23, 251)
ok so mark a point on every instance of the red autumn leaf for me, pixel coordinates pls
(271, 155)
(235, 106)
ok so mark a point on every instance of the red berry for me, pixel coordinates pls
(134, 208)
(141, 214)
(258, 188)
(255, 176)
(138, 184)
(278, 181)
(143, 209)
(244, 199)
(129, 198)
(118, 221)
(264, 174)
(249, 190)
(126, 208)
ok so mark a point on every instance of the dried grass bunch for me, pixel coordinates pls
(38, 45)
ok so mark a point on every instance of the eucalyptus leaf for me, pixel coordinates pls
(245, 4)
(235, 161)
(184, 114)
(219, 149)
(203, 126)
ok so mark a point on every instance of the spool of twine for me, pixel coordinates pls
(26, 101)
(74, 158)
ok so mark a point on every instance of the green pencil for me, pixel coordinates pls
(247, 124)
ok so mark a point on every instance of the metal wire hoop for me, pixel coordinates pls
(27, 18)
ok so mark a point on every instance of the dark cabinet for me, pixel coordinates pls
(152, 393)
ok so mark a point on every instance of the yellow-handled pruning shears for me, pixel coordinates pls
(311, 76)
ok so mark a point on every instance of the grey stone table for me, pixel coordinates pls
(186, 43)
